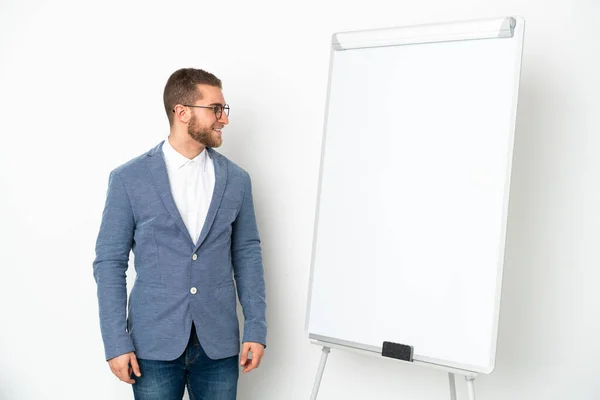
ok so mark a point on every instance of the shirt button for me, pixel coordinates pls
(193, 290)
(195, 257)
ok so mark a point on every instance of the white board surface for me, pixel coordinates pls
(413, 198)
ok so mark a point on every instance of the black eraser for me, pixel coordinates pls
(397, 350)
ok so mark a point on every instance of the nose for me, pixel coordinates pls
(224, 118)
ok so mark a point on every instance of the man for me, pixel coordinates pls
(187, 213)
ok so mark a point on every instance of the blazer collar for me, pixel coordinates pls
(158, 170)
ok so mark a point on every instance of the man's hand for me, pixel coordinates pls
(257, 351)
(120, 366)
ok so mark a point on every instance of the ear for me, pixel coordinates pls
(181, 113)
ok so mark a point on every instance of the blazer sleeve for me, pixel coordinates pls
(113, 246)
(248, 269)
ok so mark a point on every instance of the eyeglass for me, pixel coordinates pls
(217, 109)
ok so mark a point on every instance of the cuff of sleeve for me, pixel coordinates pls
(115, 349)
(256, 333)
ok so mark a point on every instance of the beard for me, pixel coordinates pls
(205, 136)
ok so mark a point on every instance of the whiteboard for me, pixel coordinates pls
(413, 198)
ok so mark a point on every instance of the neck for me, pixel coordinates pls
(185, 145)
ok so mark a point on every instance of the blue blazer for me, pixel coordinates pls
(178, 281)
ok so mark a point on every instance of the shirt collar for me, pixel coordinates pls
(176, 160)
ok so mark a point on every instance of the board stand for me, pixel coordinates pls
(452, 372)
(324, 355)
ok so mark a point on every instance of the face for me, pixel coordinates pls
(203, 125)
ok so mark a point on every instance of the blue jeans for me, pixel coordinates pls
(205, 378)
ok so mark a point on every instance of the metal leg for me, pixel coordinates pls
(471, 387)
(452, 386)
(324, 355)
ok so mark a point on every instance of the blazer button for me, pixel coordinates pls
(193, 290)
(195, 257)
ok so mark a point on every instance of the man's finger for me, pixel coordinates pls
(135, 366)
(244, 357)
(258, 360)
(257, 355)
(124, 376)
(251, 364)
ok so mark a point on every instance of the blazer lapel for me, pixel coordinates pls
(158, 169)
(220, 183)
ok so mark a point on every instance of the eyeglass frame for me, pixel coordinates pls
(214, 108)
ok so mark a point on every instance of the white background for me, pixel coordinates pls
(81, 92)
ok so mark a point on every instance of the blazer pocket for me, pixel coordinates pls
(227, 202)
(154, 285)
(226, 215)
(224, 285)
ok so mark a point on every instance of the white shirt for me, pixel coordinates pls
(192, 184)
